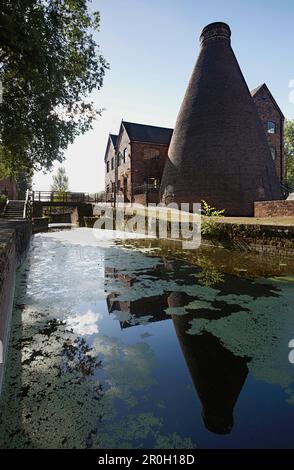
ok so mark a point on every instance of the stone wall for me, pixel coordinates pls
(14, 243)
(82, 210)
(258, 238)
(40, 224)
(61, 218)
(274, 209)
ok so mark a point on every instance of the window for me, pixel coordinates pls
(112, 187)
(107, 188)
(112, 163)
(119, 159)
(271, 127)
(107, 167)
(154, 182)
(125, 155)
(273, 152)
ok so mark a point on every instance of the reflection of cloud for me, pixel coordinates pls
(85, 324)
(128, 368)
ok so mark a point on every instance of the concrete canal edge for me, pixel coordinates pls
(14, 243)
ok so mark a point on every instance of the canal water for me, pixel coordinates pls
(120, 343)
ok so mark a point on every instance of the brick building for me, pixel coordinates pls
(135, 158)
(273, 121)
(134, 162)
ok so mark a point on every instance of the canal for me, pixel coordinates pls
(131, 343)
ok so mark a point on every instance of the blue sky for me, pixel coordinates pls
(152, 46)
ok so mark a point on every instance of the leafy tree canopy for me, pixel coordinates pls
(49, 64)
(289, 151)
(60, 181)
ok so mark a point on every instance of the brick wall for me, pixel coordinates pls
(14, 243)
(268, 111)
(124, 167)
(148, 161)
(138, 162)
(110, 175)
(274, 208)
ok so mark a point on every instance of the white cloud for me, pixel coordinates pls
(85, 324)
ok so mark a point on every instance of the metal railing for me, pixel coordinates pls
(286, 190)
(64, 197)
(27, 208)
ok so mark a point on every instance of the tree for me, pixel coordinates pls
(289, 152)
(49, 65)
(24, 182)
(60, 181)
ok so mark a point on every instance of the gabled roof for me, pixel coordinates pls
(148, 134)
(264, 87)
(112, 139)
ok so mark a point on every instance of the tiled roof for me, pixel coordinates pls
(146, 133)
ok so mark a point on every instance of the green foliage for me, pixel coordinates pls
(49, 65)
(60, 181)
(209, 211)
(24, 182)
(4, 169)
(209, 226)
(289, 151)
(209, 275)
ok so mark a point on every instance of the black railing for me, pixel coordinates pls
(286, 190)
(65, 197)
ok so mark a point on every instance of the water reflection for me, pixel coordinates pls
(108, 339)
(217, 372)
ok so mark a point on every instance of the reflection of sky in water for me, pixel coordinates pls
(100, 357)
(85, 323)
